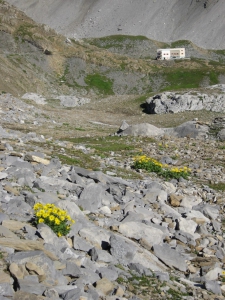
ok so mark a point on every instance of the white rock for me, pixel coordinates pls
(188, 226)
(213, 274)
(105, 210)
(190, 201)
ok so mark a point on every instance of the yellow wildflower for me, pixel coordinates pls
(68, 218)
(51, 218)
(57, 221)
(40, 220)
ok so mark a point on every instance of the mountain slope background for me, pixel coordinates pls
(34, 58)
(164, 20)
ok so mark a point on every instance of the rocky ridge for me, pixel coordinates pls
(133, 239)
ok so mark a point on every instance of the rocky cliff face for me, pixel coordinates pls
(160, 20)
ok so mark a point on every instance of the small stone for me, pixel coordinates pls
(174, 200)
(144, 243)
(4, 277)
(18, 271)
(11, 190)
(119, 292)
(192, 269)
(105, 286)
(34, 269)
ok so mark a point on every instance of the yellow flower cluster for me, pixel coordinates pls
(146, 159)
(152, 165)
(180, 170)
(56, 218)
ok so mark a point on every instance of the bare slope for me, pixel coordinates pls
(165, 20)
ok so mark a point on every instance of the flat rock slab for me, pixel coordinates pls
(138, 231)
(170, 257)
(25, 245)
(13, 225)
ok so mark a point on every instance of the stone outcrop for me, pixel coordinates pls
(170, 102)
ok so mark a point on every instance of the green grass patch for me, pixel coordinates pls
(186, 79)
(176, 295)
(24, 30)
(76, 158)
(220, 52)
(213, 76)
(180, 44)
(116, 41)
(218, 186)
(100, 83)
(79, 129)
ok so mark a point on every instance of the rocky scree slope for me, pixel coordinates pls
(133, 239)
(165, 20)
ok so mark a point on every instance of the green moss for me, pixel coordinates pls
(100, 83)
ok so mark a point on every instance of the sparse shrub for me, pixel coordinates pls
(57, 219)
(152, 165)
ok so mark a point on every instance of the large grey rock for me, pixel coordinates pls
(122, 249)
(72, 294)
(190, 201)
(99, 176)
(92, 196)
(188, 129)
(137, 230)
(6, 290)
(19, 209)
(101, 255)
(38, 258)
(5, 232)
(98, 237)
(213, 286)
(188, 226)
(144, 129)
(170, 257)
(209, 211)
(221, 135)
(213, 274)
(72, 101)
(72, 269)
(108, 272)
(81, 244)
(140, 269)
(27, 285)
(148, 260)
